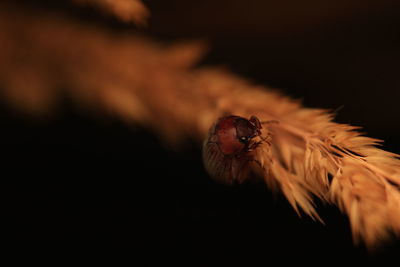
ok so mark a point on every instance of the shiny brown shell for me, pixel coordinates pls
(227, 150)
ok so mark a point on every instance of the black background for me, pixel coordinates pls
(83, 185)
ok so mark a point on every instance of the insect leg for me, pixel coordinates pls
(254, 145)
(267, 138)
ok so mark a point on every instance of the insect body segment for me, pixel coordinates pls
(227, 150)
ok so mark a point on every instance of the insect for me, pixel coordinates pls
(227, 150)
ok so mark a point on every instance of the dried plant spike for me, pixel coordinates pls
(125, 10)
(307, 154)
(365, 181)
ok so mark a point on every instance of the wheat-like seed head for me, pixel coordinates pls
(155, 85)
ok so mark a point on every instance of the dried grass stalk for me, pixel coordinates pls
(156, 86)
(125, 10)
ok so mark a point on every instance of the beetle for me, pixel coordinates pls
(228, 147)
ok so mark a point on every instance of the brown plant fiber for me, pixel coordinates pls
(156, 86)
(125, 10)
